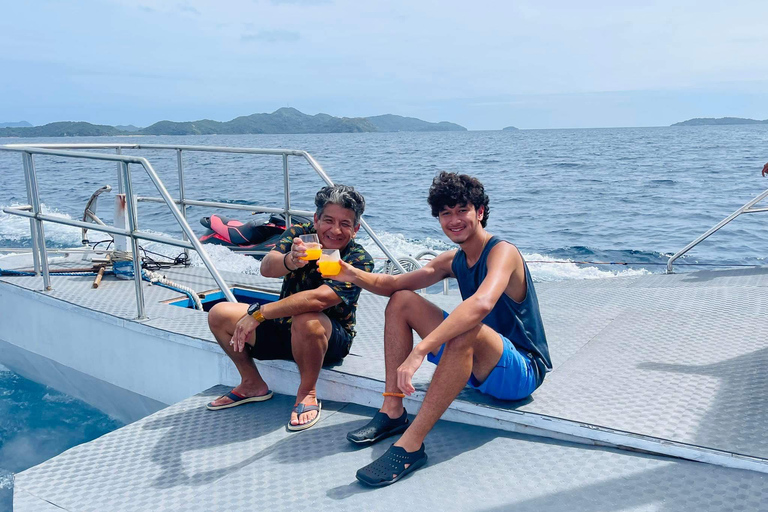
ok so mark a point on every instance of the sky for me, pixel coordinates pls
(482, 64)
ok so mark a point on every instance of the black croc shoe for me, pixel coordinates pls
(378, 428)
(391, 467)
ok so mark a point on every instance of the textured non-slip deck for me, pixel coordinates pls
(674, 357)
(186, 458)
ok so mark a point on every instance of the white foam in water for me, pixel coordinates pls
(6, 481)
(15, 228)
(551, 271)
(400, 246)
(222, 258)
(541, 272)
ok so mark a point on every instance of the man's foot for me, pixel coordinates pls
(392, 466)
(238, 397)
(305, 413)
(380, 427)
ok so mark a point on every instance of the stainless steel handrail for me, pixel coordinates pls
(38, 217)
(747, 208)
(183, 202)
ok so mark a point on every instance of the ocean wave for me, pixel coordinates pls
(15, 230)
(545, 268)
(6, 479)
(59, 398)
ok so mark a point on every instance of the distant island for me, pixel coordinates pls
(510, 129)
(283, 120)
(18, 124)
(706, 121)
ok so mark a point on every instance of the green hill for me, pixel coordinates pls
(16, 124)
(705, 121)
(283, 120)
(61, 129)
(393, 123)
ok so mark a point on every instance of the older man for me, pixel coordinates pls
(312, 323)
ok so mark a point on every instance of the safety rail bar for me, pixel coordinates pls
(125, 185)
(37, 217)
(747, 208)
(184, 202)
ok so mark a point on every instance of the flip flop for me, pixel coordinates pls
(238, 399)
(301, 408)
(390, 467)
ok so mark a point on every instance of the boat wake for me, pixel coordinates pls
(555, 265)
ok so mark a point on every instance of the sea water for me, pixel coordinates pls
(37, 423)
(627, 195)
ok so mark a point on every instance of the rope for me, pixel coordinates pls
(160, 280)
(4, 272)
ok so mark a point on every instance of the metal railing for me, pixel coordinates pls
(747, 208)
(125, 185)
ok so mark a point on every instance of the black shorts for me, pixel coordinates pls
(273, 341)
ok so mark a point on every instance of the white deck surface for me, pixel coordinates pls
(668, 363)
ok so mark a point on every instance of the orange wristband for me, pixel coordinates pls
(398, 395)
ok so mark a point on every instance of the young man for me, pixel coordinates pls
(312, 323)
(494, 340)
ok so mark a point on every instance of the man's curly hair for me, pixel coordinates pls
(451, 189)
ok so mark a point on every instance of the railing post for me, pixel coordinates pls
(32, 224)
(287, 190)
(133, 223)
(182, 196)
(185, 227)
(38, 222)
(120, 184)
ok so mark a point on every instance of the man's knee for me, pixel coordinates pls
(217, 317)
(462, 343)
(400, 302)
(308, 325)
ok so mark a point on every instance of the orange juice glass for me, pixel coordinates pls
(329, 262)
(312, 246)
(314, 251)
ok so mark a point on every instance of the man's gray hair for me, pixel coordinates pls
(342, 195)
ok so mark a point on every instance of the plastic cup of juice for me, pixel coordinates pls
(329, 262)
(312, 247)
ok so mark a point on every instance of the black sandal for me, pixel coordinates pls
(391, 467)
(378, 428)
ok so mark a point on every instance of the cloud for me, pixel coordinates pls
(185, 7)
(271, 36)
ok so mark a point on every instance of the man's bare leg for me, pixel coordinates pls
(406, 312)
(222, 320)
(310, 333)
(478, 351)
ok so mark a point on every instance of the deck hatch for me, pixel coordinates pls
(210, 298)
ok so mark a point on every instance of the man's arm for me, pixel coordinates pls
(503, 261)
(384, 284)
(278, 264)
(765, 170)
(308, 301)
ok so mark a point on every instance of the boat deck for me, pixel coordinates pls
(186, 458)
(668, 364)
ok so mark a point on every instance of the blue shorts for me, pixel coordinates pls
(513, 378)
